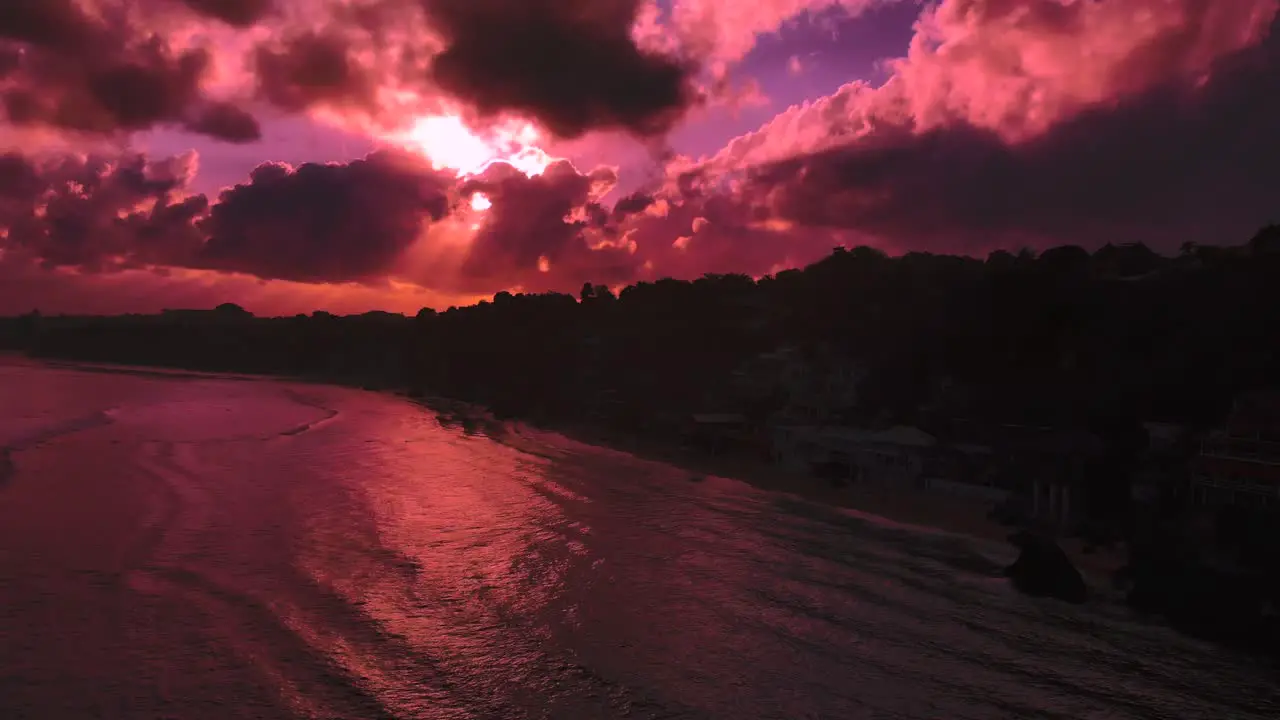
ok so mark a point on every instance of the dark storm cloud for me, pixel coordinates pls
(57, 24)
(93, 214)
(636, 202)
(366, 221)
(20, 181)
(226, 122)
(100, 74)
(318, 223)
(572, 64)
(310, 69)
(325, 223)
(237, 13)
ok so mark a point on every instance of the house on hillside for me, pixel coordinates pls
(1037, 473)
(1034, 473)
(899, 456)
(720, 433)
(1235, 487)
(1162, 465)
(1239, 464)
(968, 470)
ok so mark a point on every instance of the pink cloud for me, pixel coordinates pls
(1006, 122)
(1015, 67)
(1033, 121)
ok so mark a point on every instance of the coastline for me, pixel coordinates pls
(919, 509)
(924, 510)
(928, 511)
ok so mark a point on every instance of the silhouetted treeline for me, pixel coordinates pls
(1099, 341)
(1068, 338)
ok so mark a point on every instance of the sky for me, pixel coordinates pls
(350, 155)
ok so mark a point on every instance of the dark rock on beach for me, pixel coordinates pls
(1043, 569)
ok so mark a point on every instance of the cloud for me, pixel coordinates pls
(325, 223)
(311, 69)
(535, 235)
(104, 73)
(97, 215)
(1017, 122)
(687, 234)
(572, 64)
(1015, 67)
(318, 223)
(549, 232)
(114, 67)
(388, 218)
(237, 13)
(636, 202)
(225, 121)
(1007, 123)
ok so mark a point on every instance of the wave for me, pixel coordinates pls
(308, 426)
(36, 437)
(301, 399)
(219, 417)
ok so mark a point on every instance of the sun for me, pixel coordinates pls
(447, 142)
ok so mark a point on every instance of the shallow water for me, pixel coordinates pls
(212, 548)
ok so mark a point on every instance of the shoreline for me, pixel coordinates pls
(922, 510)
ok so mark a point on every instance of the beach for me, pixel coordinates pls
(922, 509)
(205, 547)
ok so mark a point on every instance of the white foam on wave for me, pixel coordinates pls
(213, 418)
(33, 430)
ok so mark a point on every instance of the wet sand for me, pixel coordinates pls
(268, 550)
(921, 509)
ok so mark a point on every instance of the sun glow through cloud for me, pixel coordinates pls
(448, 143)
(480, 203)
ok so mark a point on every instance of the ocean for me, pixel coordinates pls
(176, 546)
